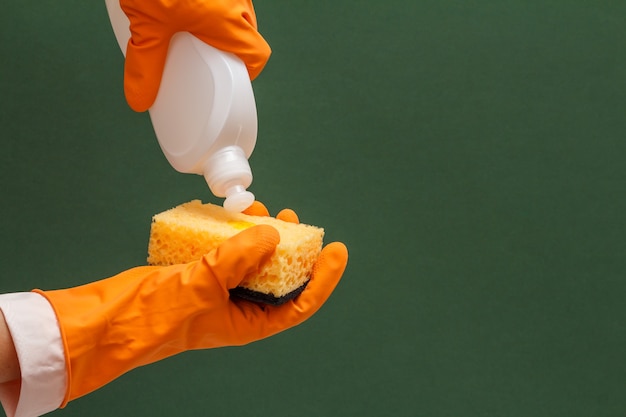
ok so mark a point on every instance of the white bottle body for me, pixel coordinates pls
(204, 115)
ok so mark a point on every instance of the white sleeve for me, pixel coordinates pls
(37, 338)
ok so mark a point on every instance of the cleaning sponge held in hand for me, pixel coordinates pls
(187, 232)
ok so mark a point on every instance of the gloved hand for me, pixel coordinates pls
(228, 25)
(148, 313)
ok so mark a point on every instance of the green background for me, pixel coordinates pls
(471, 154)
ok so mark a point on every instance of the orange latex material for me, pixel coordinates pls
(228, 25)
(149, 313)
(258, 209)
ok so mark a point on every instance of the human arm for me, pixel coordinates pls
(149, 313)
(34, 332)
(228, 25)
(60, 343)
(9, 364)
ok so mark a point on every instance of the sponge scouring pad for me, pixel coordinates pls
(187, 232)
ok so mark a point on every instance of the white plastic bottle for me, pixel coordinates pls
(204, 115)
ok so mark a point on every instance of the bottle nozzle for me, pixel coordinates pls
(228, 174)
(238, 199)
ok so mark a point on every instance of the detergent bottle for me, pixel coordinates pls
(204, 115)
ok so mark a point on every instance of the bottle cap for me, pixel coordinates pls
(228, 174)
(238, 199)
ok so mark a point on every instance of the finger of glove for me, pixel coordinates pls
(257, 209)
(143, 70)
(288, 215)
(254, 322)
(327, 273)
(241, 255)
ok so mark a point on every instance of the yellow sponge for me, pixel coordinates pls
(187, 232)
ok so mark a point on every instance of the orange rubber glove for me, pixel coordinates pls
(149, 313)
(228, 25)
